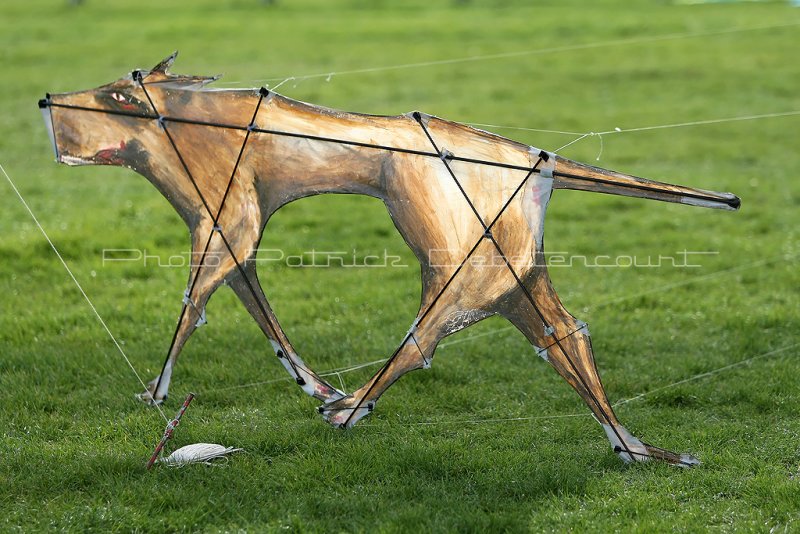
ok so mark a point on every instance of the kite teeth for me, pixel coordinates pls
(197, 453)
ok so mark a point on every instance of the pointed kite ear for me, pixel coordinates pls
(161, 74)
(165, 64)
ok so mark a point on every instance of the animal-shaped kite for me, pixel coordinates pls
(470, 204)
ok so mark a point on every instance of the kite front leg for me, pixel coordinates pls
(192, 315)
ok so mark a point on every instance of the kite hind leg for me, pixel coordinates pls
(566, 344)
(346, 412)
(415, 352)
(249, 291)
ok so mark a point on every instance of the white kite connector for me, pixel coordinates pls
(202, 319)
(420, 117)
(413, 328)
(548, 163)
(583, 327)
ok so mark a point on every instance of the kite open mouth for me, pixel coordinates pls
(110, 156)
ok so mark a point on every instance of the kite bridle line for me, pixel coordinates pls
(444, 156)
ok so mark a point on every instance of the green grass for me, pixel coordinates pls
(74, 440)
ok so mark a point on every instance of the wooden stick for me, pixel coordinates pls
(169, 430)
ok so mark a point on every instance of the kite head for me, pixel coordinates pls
(115, 124)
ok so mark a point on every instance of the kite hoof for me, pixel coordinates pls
(630, 449)
(672, 458)
(345, 412)
(649, 452)
(149, 397)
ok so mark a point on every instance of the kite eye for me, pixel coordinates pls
(119, 100)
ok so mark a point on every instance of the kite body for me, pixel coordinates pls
(469, 204)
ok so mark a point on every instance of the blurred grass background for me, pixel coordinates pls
(74, 440)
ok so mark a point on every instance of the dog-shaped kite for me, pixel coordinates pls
(469, 203)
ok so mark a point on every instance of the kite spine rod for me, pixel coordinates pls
(163, 118)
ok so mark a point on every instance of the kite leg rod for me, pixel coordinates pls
(171, 426)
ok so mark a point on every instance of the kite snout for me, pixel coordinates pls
(44, 107)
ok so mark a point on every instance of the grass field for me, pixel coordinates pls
(453, 448)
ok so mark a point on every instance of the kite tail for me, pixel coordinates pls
(569, 174)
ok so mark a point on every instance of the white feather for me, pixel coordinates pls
(197, 453)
